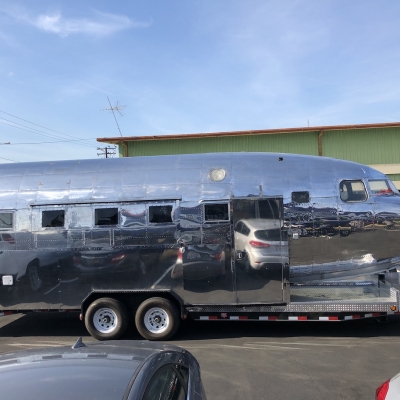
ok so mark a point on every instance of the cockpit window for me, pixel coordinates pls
(380, 187)
(352, 191)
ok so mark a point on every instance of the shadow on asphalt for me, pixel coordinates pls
(55, 324)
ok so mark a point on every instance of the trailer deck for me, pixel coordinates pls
(363, 297)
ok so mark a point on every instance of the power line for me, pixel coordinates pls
(55, 141)
(8, 159)
(14, 116)
(32, 130)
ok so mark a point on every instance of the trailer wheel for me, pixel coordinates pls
(142, 267)
(32, 272)
(344, 232)
(106, 319)
(157, 319)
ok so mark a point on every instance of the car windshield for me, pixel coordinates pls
(268, 234)
(83, 379)
(380, 187)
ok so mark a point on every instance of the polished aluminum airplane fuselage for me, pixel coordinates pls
(323, 236)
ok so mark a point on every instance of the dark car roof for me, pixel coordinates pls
(138, 350)
(99, 370)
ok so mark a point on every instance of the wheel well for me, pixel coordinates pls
(35, 261)
(131, 300)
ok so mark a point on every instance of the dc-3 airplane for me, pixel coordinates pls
(240, 236)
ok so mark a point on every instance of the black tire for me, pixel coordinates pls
(33, 277)
(157, 319)
(106, 319)
(250, 271)
(142, 267)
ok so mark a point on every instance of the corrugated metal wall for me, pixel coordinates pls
(304, 143)
(366, 146)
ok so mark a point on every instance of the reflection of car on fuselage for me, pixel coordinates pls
(28, 269)
(197, 262)
(91, 262)
(261, 242)
(386, 220)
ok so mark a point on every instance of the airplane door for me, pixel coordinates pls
(261, 250)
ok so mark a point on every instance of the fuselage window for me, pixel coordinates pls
(160, 214)
(106, 216)
(6, 220)
(379, 187)
(216, 212)
(53, 219)
(300, 197)
(352, 191)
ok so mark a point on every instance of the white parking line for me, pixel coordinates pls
(67, 281)
(351, 343)
(244, 347)
(302, 344)
(162, 276)
(27, 345)
(55, 287)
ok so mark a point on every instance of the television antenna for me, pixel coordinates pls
(117, 108)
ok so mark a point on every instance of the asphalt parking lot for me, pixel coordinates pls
(248, 360)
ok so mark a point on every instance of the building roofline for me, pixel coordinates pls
(120, 139)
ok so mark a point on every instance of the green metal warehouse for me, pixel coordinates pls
(377, 145)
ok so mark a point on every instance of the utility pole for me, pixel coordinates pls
(107, 151)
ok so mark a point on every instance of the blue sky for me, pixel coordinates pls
(184, 66)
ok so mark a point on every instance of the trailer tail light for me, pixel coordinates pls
(8, 238)
(382, 390)
(118, 258)
(257, 244)
(179, 256)
(217, 257)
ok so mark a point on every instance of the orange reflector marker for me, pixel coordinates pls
(393, 308)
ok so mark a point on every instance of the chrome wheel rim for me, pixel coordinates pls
(156, 320)
(105, 320)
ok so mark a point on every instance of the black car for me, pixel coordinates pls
(199, 262)
(102, 370)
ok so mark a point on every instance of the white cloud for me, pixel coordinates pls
(103, 24)
(100, 24)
